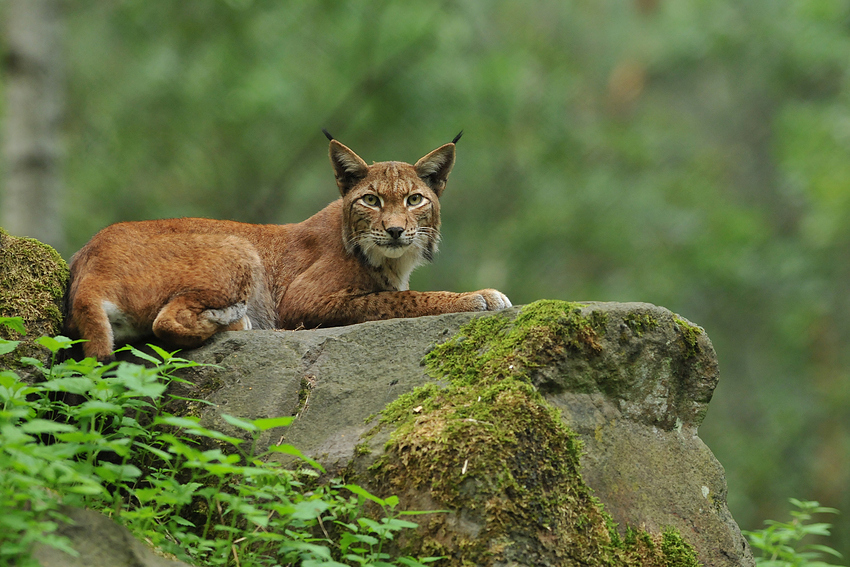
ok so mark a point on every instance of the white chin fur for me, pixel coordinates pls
(396, 252)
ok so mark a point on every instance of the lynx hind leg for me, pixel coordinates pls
(233, 318)
(227, 276)
(187, 320)
(88, 320)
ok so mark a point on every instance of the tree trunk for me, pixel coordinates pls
(34, 83)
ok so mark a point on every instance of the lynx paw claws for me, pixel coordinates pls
(492, 300)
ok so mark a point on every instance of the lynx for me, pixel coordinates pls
(185, 279)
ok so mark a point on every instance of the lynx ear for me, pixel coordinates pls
(434, 168)
(349, 169)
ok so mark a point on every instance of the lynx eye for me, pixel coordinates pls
(415, 200)
(371, 200)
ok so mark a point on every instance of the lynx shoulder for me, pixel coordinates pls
(184, 280)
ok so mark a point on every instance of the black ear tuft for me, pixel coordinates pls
(435, 167)
(453, 141)
(349, 168)
(328, 134)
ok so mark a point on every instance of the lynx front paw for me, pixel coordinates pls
(489, 300)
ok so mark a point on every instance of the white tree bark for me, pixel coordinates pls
(34, 83)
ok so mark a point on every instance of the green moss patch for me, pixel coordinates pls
(32, 286)
(690, 337)
(489, 448)
(640, 323)
(496, 347)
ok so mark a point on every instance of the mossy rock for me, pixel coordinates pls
(490, 415)
(488, 448)
(32, 286)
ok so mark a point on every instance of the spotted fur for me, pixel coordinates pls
(185, 279)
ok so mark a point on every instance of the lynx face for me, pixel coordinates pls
(391, 210)
(392, 215)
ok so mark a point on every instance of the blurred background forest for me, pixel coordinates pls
(693, 154)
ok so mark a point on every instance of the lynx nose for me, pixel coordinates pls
(395, 232)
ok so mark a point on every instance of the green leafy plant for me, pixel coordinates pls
(116, 450)
(781, 542)
(363, 540)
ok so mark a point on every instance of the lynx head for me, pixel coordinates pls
(391, 210)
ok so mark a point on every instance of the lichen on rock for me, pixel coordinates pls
(488, 447)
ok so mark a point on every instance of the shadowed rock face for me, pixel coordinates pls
(632, 381)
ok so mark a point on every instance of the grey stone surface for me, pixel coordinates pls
(333, 379)
(100, 543)
(638, 418)
(636, 402)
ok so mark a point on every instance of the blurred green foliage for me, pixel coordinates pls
(692, 154)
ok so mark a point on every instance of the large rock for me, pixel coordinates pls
(100, 542)
(633, 381)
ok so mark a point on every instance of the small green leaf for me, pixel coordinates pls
(8, 346)
(288, 449)
(182, 521)
(824, 549)
(78, 436)
(14, 323)
(95, 407)
(113, 473)
(139, 379)
(76, 385)
(46, 426)
(397, 524)
(164, 355)
(240, 423)
(367, 539)
(392, 501)
(213, 434)
(87, 488)
(30, 361)
(85, 366)
(139, 354)
(264, 424)
(371, 524)
(9, 378)
(421, 512)
(55, 344)
(816, 529)
(360, 491)
(310, 509)
(173, 420)
(158, 452)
